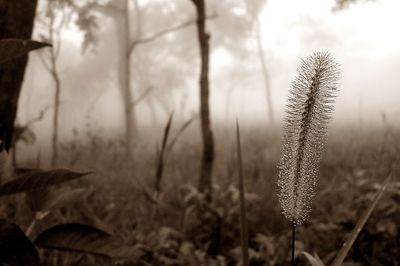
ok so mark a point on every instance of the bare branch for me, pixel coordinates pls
(164, 32)
(44, 63)
(142, 96)
(180, 131)
(39, 117)
(108, 9)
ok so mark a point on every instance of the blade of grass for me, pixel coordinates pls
(243, 219)
(360, 224)
(293, 244)
(180, 131)
(313, 260)
(160, 163)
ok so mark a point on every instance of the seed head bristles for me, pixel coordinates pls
(310, 104)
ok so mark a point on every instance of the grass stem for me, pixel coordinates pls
(243, 220)
(293, 243)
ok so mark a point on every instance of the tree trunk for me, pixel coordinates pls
(205, 179)
(57, 84)
(119, 12)
(16, 21)
(261, 56)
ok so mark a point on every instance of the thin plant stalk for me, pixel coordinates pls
(243, 219)
(293, 243)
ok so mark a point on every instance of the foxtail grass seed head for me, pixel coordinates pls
(308, 111)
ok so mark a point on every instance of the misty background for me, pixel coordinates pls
(362, 37)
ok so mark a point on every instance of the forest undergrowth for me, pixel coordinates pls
(176, 226)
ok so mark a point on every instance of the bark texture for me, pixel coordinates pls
(205, 179)
(16, 21)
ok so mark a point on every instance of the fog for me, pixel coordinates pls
(363, 38)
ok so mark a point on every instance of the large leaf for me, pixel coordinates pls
(15, 248)
(38, 179)
(11, 48)
(86, 239)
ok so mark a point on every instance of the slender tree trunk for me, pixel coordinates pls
(261, 56)
(205, 179)
(120, 15)
(16, 21)
(125, 79)
(57, 87)
(57, 93)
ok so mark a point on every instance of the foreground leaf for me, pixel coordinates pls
(12, 48)
(313, 260)
(15, 248)
(38, 179)
(86, 239)
(360, 224)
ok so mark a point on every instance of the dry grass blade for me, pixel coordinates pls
(38, 179)
(313, 260)
(160, 162)
(243, 219)
(360, 224)
(180, 131)
(86, 239)
(12, 48)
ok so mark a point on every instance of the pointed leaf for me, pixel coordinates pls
(313, 260)
(11, 48)
(38, 179)
(15, 248)
(85, 239)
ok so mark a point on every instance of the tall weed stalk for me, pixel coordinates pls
(243, 219)
(309, 107)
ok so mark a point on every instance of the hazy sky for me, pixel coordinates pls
(363, 38)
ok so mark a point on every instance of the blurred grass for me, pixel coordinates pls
(189, 232)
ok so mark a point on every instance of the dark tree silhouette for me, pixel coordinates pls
(16, 21)
(207, 160)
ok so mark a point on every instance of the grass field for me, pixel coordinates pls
(173, 228)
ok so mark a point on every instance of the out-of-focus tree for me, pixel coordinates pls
(342, 4)
(16, 21)
(52, 19)
(123, 14)
(254, 8)
(119, 12)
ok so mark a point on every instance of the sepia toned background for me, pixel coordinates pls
(119, 95)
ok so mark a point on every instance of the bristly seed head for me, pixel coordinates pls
(310, 104)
